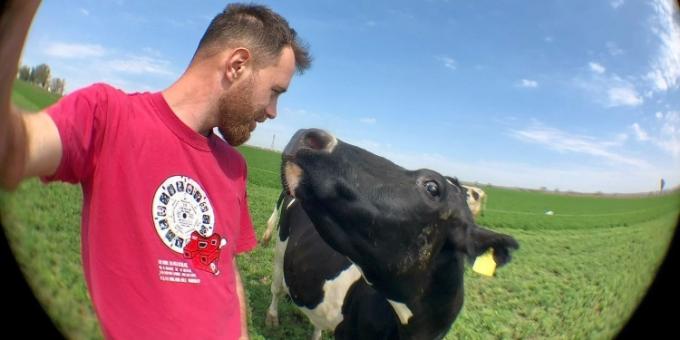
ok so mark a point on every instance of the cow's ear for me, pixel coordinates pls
(480, 240)
(455, 182)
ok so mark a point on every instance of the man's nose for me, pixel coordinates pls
(271, 110)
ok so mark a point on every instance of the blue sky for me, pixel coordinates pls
(577, 95)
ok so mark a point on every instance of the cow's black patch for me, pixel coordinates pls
(366, 315)
(308, 260)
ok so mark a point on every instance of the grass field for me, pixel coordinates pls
(28, 97)
(579, 273)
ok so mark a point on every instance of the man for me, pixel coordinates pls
(165, 208)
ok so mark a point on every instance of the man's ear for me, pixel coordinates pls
(236, 63)
(477, 240)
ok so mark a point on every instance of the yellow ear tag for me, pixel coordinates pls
(484, 264)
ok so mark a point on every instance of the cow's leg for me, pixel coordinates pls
(317, 334)
(273, 220)
(271, 223)
(272, 319)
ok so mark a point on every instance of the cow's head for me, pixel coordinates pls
(391, 222)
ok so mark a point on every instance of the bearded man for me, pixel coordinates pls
(165, 209)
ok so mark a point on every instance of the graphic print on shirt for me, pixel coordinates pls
(185, 220)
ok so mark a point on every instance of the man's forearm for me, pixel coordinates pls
(14, 151)
(15, 20)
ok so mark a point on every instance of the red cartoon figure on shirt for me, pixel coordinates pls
(204, 251)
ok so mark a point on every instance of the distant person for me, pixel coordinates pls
(662, 183)
(165, 209)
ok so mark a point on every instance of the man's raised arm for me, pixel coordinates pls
(29, 143)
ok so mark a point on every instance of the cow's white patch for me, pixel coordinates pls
(274, 218)
(290, 204)
(317, 334)
(292, 172)
(272, 222)
(402, 310)
(180, 207)
(278, 266)
(328, 314)
(278, 286)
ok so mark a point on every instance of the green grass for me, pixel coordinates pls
(30, 97)
(43, 228)
(526, 210)
(263, 167)
(578, 274)
(566, 284)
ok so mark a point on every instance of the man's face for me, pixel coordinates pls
(253, 98)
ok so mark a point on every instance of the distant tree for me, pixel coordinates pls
(544, 189)
(24, 73)
(57, 86)
(40, 75)
(662, 183)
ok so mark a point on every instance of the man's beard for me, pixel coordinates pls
(237, 113)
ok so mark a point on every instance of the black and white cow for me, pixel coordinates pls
(476, 200)
(368, 249)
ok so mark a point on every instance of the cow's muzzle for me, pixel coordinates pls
(314, 139)
(304, 139)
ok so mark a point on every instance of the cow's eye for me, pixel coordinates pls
(432, 188)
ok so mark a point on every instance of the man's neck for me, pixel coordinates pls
(193, 100)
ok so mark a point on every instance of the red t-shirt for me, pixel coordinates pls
(164, 211)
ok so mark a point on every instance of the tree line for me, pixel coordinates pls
(41, 76)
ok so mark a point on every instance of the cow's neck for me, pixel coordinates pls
(430, 312)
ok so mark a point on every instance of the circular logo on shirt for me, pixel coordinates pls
(180, 207)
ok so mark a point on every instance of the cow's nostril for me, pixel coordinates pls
(317, 139)
(314, 142)
(314, 139)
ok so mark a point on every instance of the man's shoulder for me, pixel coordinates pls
(99, 87)
(99, 91)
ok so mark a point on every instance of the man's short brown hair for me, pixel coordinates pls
(257, 28)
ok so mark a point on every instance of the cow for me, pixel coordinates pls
(368, 249)
(476, 200)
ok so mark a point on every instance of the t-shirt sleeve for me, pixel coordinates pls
(81, 119)
(247, 240)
